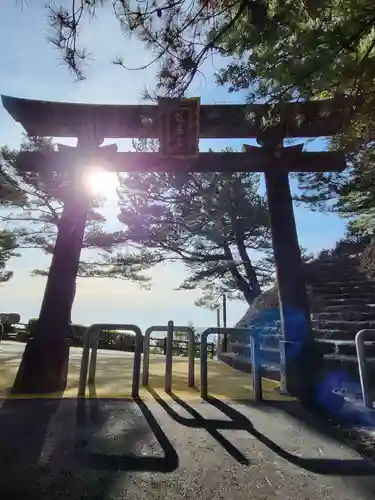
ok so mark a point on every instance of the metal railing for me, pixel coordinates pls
(363, 367)
(255, 358)
(170, 329)
(180, 347)
(91, 340)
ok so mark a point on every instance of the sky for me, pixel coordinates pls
(31, 68)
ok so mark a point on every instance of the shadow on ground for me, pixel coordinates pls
(67, 448)
(95, 418)
(89, 448)
(238, 421)
(312, 419)
(344, 429)
(324, 466)
(210, 425)
(23, 429)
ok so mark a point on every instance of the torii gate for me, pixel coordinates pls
(178, 124)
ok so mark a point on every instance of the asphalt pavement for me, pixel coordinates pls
(165, 447)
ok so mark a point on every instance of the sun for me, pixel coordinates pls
(101, 182)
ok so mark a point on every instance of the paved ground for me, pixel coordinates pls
(167, 448)
(113, 449)
(114, 373)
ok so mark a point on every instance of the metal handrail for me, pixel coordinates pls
(91, 339)
(362, 366)
(255, 358)
(168, 363)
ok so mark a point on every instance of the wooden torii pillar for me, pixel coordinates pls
(44, 365)
(45, 361)
(299, 359)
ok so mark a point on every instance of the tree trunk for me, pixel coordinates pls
(242, 284)
(249, 268)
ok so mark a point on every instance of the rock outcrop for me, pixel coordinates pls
(269, 300)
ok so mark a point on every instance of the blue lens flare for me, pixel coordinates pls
(266, 328)
(339, 393)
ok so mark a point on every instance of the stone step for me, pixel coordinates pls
(267, 353)
(349, 302)
(333, 334)
(335, 259)
(333, 266)
(345, 347)
(349, 348)
(269, 366)
(269, 341)
(270, 355)
(348, 307)
(344, 287)
(337, 273)
(349, 358)
(275, 332)
(329, 267)
(364, 296)
(350, 326)
(335, 276)
(245, 348)
(325, 346)
(269, 369)
(345, 315)
(266, 329)
(338, 363)
(336, 281)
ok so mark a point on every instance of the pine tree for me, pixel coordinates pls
(9, 196)
(215, 223)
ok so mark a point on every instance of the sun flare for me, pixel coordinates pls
(101, 182)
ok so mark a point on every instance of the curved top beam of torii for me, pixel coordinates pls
(226, 121)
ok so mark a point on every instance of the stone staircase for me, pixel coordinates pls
(342, 302)
(347, 305)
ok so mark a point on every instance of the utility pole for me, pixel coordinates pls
(224, 310)
(225, 336)
(218, 336)
(222, 340)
